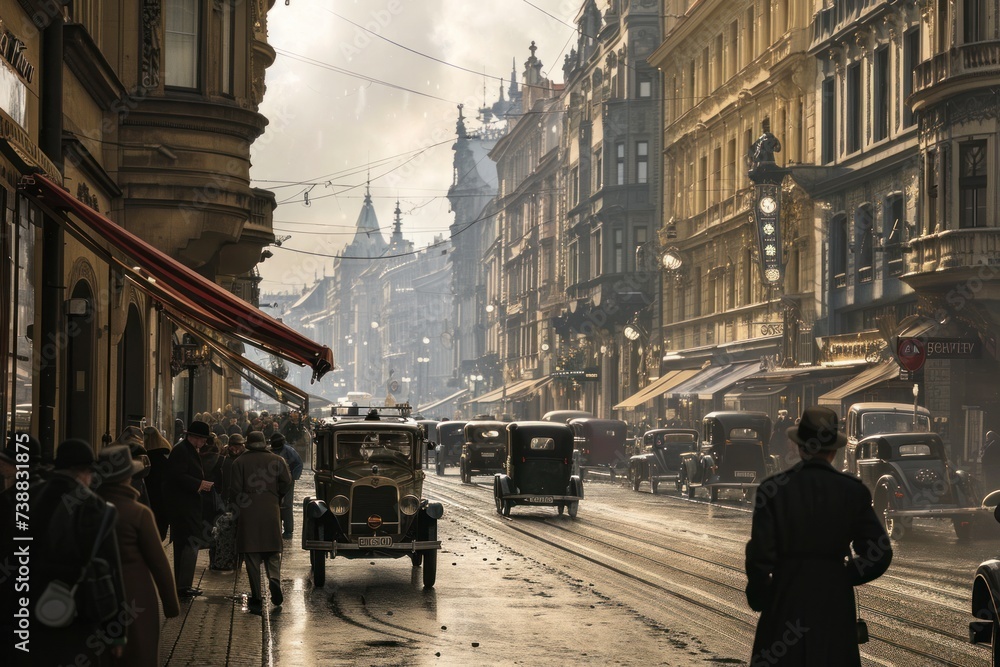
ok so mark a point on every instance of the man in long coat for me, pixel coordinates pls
(801, 571)
(280, 447)
(184, 482)
(260, 479)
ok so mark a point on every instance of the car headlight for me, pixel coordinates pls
(409, 505)
(339, 505)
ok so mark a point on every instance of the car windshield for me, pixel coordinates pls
(873, 423)
(362, 446)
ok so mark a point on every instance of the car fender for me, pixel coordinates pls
(986, 587)
(886, 488)
(576, 486)
(433, 510)
(504, 482)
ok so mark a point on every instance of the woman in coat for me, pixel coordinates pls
(158, 449)
(144, 563)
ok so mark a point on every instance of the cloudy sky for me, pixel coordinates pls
(327, 126)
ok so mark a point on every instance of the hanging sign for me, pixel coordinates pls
(766, 219)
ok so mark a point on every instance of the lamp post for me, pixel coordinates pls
(191, 355)
(421, 378)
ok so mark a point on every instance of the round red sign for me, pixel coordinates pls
(911, 353)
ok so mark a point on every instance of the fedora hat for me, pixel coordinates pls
(199, 428)
(115, 464)
(818, 429)
(237, 439)
(256, 441)
(74, 453)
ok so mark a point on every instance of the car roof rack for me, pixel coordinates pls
(396, 413)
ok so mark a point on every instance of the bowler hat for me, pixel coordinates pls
(256, 440)
(199, 428)
(115, 464)
(237, 439)
(818, 429)
(277, 439)
(74, 453)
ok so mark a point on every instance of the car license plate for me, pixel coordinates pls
(487, 455)
(748, 474)
(374, 541)
(539, 499)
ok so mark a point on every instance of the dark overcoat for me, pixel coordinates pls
(144, 563)
(154, 486)
(260, 479)
(801, 571)
(183, 477)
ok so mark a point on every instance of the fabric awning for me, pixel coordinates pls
(888, 370)
(430, 406)
(529, 389)
(655, 389)
(756, 391)
(269, 384)
(714, 379)
(182, 291)
(497, 394)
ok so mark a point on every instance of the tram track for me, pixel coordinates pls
(883, 630)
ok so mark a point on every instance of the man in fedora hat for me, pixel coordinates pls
(184, 482)
(281, 447)
(801, 571)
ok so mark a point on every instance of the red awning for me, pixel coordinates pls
(181, 290)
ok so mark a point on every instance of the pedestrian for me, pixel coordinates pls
(260, 479)
(990, 461)
(801, 571)
(157, 449)
(280, 446)
(183, 487)
(145, 568)
(223, 555)
(132, 438)
(780, 444)
(71, 521)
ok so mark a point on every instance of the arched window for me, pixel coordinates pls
(838, 250)
(864, 241)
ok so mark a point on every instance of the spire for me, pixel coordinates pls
(512, 91)
(368, 187)
(397, 225)
(459, 127)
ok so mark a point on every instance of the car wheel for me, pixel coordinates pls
(465, 477)
(506, 507)
(496, 495)
(654, 486)
(896, 528)
(439, 467)
(317, 562)
(685, 486)
(636, 481)
(749, 496)
(573, 507)
(963, 528)
(562, 508)
(416, 557)
(430, 567)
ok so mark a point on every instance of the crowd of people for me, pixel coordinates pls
(101, 523)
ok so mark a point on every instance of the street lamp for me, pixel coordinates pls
(421, 377)
(916, 393)
(189, 354)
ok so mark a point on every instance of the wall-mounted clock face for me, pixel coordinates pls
(768, 205)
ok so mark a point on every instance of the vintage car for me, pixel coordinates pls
(538, 468)
(660, 457)
(563, 416)
(986, 595)
(600, 443)
(448, 450)
(484, 449)
(909, 477)
(873, 418)
(369, 493)
(429, 427)
(733, 455)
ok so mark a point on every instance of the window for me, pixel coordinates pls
(573, 261)
(596, 263)
(620, 164)
(730, 182)
(765, 25)
(893, 225)
(228, 20)
(706, 71)
(640, 236)
(854, 108)
(720, 61)
(974, 14)
(618, 243)
(717, 174)
(838, 250)
(690, 94)
(880, 88)
(574, 186)
(828, 139)
(911, 57)
(749, 52)
(598, 169)
(641, 161)
(733, 56)
(698, 294)
(941, 26)
(864, 240)
(702, 182)
(972, 184)
(181, 22)
(931, 174)
(645, 87)
(730, 287)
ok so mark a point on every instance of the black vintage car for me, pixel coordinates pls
(369, 493)
(448, 452)
(733, 455)
(909, 477)
(538, 469)
(986, 596)
(660, 457)
(484, 449)
(600, 444)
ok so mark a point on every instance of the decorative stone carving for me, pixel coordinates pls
(151, 43)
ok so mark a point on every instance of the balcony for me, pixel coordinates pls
(962, 68)
(947, 258)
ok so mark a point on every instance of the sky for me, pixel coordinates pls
(328, 128)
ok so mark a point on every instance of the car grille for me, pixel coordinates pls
(368, 500)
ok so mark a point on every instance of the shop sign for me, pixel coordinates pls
(589, 374)
(953, 348)
(911, 353)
